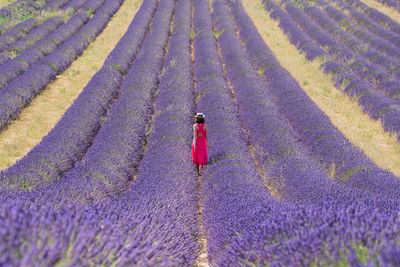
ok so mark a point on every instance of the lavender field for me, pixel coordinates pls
(113, 182)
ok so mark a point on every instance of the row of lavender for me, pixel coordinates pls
(375, 103)
(23, 61)
(20, 9)
(10, 35)
(391, 3)
(372, 65)
(16, 47)
(376, 35)
(387, 68)
(384, 37)
(155, 221)
(39, 70)
(14, 15)
(27, 33)
(371, 72)
(374, 20)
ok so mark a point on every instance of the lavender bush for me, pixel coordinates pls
(55, 4)
(20, 9)
(17, 32)
(18, 12)
(30, 39)
(93, 5)
(74, 5)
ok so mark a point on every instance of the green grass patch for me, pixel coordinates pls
(218, 34)
(118, 68)
(192, 35)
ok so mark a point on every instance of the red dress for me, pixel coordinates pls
(200, 154)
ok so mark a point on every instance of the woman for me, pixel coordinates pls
(200, 142)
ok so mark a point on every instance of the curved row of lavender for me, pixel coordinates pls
(253, 246)
(243, 223)
(56, 4)
(372, 24)
(20, 92)
(19, 10)
(74, 5)
(274, 141)
(8, 9)
(381, 71)
(110, 164)
(382, 44)
(358, 64)
(22, 62)
(375, 15)
(155, 222)
(337, 156)
(69, 140)
(387, 68)
(288, 165)
(39, 33)
(374, 103)
(17, 32)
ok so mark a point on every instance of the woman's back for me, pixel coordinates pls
(200, 151)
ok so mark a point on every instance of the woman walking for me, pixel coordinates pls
(200, 142)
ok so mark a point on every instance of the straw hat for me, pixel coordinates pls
(200, 115)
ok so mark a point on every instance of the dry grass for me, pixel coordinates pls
(344, 112)
(390, 12)
(46, 109)
(4, 3)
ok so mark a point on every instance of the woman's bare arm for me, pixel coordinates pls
(194, 135)
(206, 130)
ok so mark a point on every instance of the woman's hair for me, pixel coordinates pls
(199, 120)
